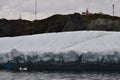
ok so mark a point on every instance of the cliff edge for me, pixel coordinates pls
(59, 23)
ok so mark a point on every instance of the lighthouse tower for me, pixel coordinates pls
(86, 13)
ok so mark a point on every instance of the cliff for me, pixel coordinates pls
(59, 23)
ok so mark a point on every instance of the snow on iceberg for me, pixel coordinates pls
(79, 41)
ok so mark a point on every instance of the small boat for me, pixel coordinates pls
(23, 69)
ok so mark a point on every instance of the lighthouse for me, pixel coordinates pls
(86, 13)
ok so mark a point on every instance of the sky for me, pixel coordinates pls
(12, 9)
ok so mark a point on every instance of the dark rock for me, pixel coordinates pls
(59, 23)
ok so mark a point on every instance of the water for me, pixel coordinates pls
(4, 75)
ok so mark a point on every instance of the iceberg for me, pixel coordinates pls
(79, 50)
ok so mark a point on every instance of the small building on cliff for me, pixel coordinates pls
(86, 13)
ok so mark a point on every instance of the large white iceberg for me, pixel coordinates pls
(78, 46)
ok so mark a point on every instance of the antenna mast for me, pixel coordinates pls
(20, 17)
(113, 9)
(35, 9)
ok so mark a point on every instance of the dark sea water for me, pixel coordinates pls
(5, 75)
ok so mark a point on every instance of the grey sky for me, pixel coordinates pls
(11, 9)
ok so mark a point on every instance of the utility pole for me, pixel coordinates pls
(20, 17)
(35, 9)
(113, 9)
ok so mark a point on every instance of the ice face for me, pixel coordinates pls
(71, 56)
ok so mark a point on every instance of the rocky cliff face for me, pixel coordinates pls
(59, 23)
(104, 24)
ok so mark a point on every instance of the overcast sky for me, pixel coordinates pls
(11, 9)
